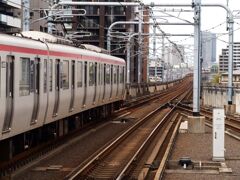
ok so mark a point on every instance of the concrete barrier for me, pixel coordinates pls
(216, 96)
(136, 90)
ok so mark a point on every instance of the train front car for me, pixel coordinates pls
(22, 89)
(45, 82)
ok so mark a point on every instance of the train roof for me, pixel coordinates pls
(40, 43)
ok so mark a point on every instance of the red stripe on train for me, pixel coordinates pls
(53, 53)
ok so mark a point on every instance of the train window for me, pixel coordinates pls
(24, 84)
(111, 75)
(117, 74)
(91, 74)
(65, 75)
(95, 75)
(114, 74)
(107, 74)
(45, 76)
(104, 74)
(85, 73)
(50, 74)
(79, 74)
(99, 74)
(121, 74)
(32, 73)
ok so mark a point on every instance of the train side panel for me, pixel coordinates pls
(40, 86)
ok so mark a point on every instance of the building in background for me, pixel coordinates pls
(174, 55)
(155, 67)
(97, 21)
(10, 16)
(223, 58)
(208, 50)
(39, 22)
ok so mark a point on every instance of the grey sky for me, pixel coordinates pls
(213, 20)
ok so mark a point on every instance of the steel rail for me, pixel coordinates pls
(79, 170)
(149, 138)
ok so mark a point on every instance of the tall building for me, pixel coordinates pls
(223, 58)
(10, 16)
(174, 55)
(97, 20)
(208, 49)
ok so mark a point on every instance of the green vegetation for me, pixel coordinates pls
(216, 79)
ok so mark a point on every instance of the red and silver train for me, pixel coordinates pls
(42, 82)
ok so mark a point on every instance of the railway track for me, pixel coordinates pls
(231, 123)
(117, 159)
(42, 151)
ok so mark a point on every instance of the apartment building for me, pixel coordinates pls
(10, 16)
(223, 58)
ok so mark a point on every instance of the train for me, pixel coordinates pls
(43, 81)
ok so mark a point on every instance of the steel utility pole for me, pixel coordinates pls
(163, 56)
(26, 15)
(196, 75)
(129, 46)
(50, 18)
(197, 6)
(140, 42)
(154, 50)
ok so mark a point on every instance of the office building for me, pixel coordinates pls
(208, 50)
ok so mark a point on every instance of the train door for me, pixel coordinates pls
(57, 87)
(79, 87)
(99, 82)
(123, 80)
(9, 93)
(35, 87)
(72, 86)
(85, 83)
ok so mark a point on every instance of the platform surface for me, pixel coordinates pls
(199, 148)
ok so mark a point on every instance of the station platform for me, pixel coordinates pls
(198, 147)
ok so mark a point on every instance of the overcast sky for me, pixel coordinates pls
(213, 20)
